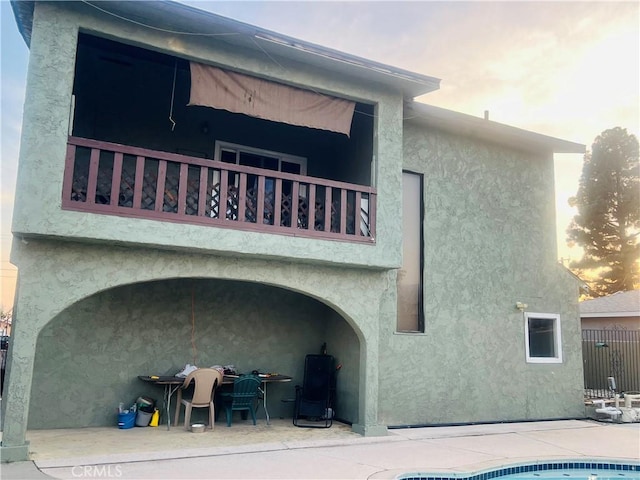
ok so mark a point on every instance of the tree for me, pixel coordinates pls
(608, 220)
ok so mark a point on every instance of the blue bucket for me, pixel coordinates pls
(126, 420)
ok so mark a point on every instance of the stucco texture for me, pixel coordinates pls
(70, 260)
(103, 323)
(488, 244)
(102, 299)
(44, 140)
(89, 356)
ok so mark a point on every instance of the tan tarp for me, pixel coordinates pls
(222, 89)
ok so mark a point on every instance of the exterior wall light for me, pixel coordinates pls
(521, 306)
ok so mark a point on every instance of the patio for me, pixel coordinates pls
(95, 444)
(283, 451)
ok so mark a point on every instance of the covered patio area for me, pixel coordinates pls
(91, 363)
(98, 444)
(152, 312)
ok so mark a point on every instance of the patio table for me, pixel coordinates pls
(172, 383)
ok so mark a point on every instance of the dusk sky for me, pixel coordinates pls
(565, 69)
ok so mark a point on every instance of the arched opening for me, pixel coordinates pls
(89, 356)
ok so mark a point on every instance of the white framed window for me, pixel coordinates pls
(256, 157)
(543, 340)
(265, 159)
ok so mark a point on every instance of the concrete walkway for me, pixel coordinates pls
(433, 449)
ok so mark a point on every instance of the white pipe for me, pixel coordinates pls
(629, 399)
(611, 411)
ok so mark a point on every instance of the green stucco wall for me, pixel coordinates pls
(66, 259)
(46, 119)
(488, 244)
(89, 356)
(263, 301)
(99, 316)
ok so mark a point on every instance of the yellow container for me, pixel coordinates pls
(155, 418)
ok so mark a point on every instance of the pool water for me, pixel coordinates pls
(591, 474)
(557, 470)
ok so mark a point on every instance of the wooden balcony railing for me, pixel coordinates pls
(113, 179)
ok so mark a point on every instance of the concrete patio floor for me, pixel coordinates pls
(281, 451)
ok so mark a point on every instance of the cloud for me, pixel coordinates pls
(547, 64)
(547, 70)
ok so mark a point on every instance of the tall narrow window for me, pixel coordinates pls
(410, 311)
(543, 342)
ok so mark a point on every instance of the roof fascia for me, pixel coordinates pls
(484, 129)
(176, 16)
(23, 14)
(610, 314)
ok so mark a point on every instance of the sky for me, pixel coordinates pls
(565, 69)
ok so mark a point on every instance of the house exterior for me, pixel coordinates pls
(418, 244)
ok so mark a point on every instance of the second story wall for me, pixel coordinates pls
(489, 216)
(489, 242)
(54, 40)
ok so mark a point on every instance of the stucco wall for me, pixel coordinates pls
(46, 118)
(489, 243)
(89, 356)
(343, 344)
(98, 316)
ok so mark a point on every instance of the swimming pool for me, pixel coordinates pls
(553, 470)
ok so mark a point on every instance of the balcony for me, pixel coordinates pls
(113, 179)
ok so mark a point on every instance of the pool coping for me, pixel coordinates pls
(514, 468)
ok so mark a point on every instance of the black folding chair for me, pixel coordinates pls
(315, 397)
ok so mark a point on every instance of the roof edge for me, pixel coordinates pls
(476, 127)
(432, 83)
(610, 314)
(410, 83)
(23, 14)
